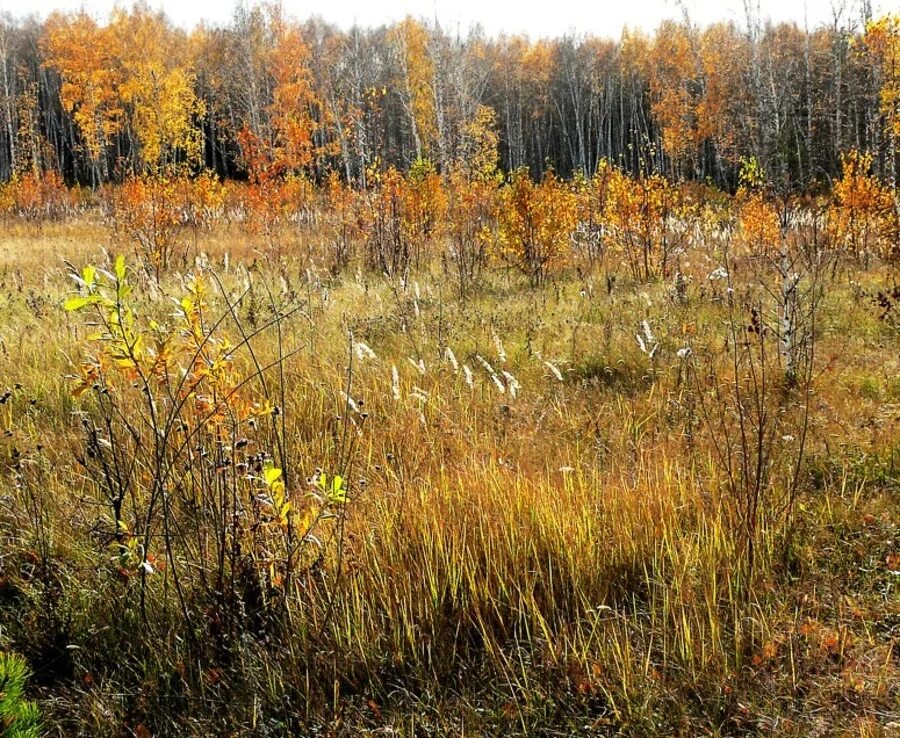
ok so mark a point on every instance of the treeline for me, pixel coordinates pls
(266, 96)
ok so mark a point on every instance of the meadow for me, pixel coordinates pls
(445, 457)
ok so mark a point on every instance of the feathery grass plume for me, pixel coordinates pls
(417, 296)
(554, 370)
(501, 352)
(363, 351)
(641, 344)
(395, 382)
(485, 363)
(647, 343)
(490, 370)
(470, 378)
(418, 365)
(496, 381)
(349, 402)
(512, 384)
(451, 357)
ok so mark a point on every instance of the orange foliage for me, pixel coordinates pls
(149, 210)
(285, 145)
(344, 219)
(536, 224)
(386, 246)
(83, 55)
(639, 212)
(863, 217)
(423, 208)
(271, 203)
(472, 211)
(592, 197)
(759, 231)
(202, 199)
(36, 196)
(132, 71)
(293, 101)
(676, 91)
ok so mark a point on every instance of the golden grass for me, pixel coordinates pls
(559, 560)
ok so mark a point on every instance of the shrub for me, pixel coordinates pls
(536, 224)
(18, 717)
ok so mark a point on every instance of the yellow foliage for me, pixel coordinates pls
(675, 92)
(637, 212)
(411, 41)
(480, 155)
(759, 231)
(424, 203)
(882, 38)
(133, 71)
(84, 56)
(472, 211)
(203, 198)
(536, 223)
(863, 217)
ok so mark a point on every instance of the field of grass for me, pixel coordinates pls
(319, 504)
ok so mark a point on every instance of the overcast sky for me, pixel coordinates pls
(547, 18)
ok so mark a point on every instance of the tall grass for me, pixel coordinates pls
(542, 524)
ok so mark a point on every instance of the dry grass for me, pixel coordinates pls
(558, 560)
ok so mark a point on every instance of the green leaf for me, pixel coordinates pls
(338, 492)
(89, 274)
(120, 268)
(271, 475)
(78, 303)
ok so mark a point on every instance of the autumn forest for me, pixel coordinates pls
(95, 102)
(406, 381)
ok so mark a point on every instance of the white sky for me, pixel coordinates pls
(534, 17)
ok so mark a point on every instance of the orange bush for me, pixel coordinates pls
(863, 217)
(639, 212)
(387, 247)
(149, 210)
(424, 205)
(343, 218)
(758, 229)
(536, 224)
(35, 196)
(472, 211)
